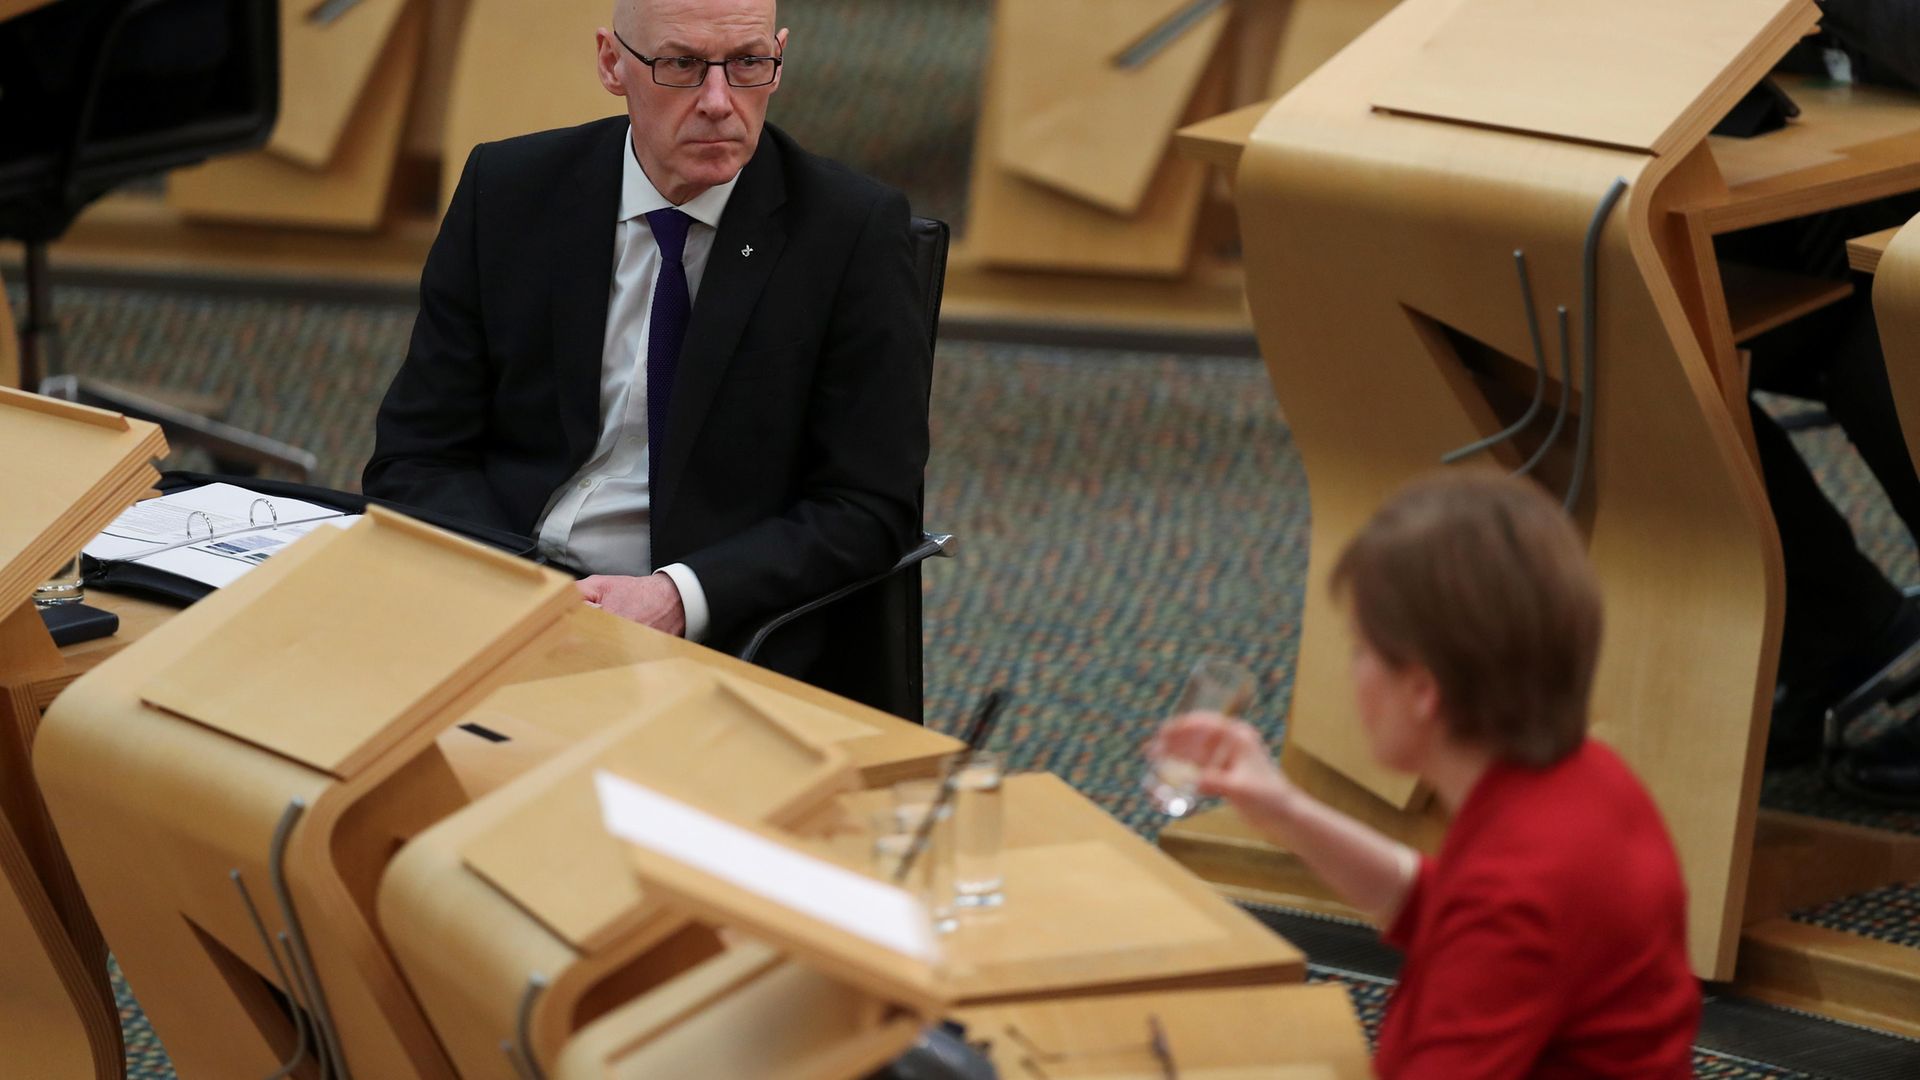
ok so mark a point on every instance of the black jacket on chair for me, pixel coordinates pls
(797, 433)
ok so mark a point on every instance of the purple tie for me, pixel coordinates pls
(667, 330)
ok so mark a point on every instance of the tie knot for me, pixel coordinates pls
(670, 231)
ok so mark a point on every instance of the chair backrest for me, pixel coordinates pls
(873, 635)
(126, 88)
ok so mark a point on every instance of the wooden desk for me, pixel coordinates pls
(1863, 252)
(138, 618)
(11, 8)
(139, 793)
(1339, 268)
(1067, 936)
(1270, 1032)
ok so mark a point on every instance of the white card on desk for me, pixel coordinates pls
(872, 910)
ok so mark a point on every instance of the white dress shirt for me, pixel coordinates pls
(598, 522)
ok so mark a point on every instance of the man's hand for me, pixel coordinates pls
(653, 600)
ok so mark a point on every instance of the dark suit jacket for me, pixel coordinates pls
(797, 433)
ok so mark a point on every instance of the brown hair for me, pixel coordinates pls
(1482, 579)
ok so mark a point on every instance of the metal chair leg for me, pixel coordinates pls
(223, 440)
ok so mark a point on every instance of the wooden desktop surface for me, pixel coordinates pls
(1275, 1033)
(10, 8)
(592, 640)
(1863, 252)
(1091, 908)
(1850, 144)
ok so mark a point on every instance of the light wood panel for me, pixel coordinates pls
(1057, 936)
(743, 1013)
(1760, 299)
(526, 879)
(70, 470)
(698, 740)
(1315, 31)
(1849, 144)
(304, 709)
(1650, 76)
(548, 46)
(1896, 310)
(1220, 140)
(1675, 514)
(1074, 121)
(1864, 252)
(326, 69)
(347, 189)
(1272, 1032)
(1015, 224)
(180, 805)
(427, 120)
(11, 8)
(1831, 973)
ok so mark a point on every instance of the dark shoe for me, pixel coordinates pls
(1885, 770)
(1800, 710)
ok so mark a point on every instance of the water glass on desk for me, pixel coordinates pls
(977, 832)
(932, 873)
(1214, 686)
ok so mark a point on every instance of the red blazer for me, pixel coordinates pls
(1549, 938)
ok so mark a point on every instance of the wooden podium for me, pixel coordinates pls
(512, 921)
(853, 991)
(70, 470)
(264, 754)
(520, 914)
(1382, 204)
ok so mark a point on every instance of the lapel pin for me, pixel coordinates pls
(746, 251)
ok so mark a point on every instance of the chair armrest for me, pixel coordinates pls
(932, 545)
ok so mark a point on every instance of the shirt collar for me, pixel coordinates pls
(638, 195)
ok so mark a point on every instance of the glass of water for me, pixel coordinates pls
(977, 827)
(64, 587)
(1213, 686)
(932, 873)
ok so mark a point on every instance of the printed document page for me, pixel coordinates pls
(211, 534)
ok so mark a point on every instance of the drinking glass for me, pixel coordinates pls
(978, 814)
(64, 587)
(932, 872)
(1213, 686)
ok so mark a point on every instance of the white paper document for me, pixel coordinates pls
(212, 534)
(872, 910)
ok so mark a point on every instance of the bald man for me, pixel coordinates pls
(683, 353)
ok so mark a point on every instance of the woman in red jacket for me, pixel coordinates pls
(1548, 936)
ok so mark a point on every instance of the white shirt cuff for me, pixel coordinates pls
(692, 598)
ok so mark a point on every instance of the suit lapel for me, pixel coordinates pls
(729, 289)
(582, 280)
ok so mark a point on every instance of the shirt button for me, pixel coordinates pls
(585, 484)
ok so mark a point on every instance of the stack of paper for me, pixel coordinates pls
(212, 534)
(69, 470)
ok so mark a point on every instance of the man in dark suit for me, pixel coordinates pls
(682, 352)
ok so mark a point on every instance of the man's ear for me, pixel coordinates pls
(607, 62)
(779, 49)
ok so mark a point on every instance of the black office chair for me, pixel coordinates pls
(873, 626)
(94, 93)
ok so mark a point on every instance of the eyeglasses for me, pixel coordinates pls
(686, 72)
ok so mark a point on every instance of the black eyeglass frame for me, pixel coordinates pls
(650, 61)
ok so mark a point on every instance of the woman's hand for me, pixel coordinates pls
(1234, 763)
